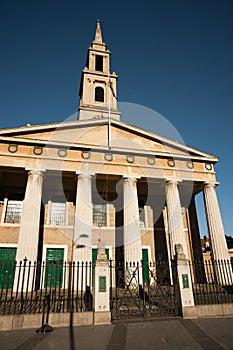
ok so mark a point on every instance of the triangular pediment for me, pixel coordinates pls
(94, 135)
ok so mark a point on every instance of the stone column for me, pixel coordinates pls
(82, 239)
(216, 233)
(175, 219)
(132, 232)
(28, 240)
(30, 218)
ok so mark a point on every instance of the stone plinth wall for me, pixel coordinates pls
(55, 320)
(210, 310)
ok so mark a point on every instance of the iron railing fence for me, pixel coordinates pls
(144, 290)
(25, 287)
(135, 288)
(212, 281)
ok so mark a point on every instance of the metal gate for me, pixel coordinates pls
(139, 291)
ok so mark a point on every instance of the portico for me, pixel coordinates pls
(127, 193)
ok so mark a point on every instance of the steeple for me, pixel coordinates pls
(98, 33)
(98, 89)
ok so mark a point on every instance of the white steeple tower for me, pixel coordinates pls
(98, 90)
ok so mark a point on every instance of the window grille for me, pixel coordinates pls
(58, 213)
(99, 215)
(13, 211)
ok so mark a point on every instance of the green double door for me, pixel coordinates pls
(54, 268)
(7, 267)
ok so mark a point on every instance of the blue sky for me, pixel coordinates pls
(173, 56)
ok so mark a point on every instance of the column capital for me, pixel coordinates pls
(131, 178)
(35, 172)
(84, 175)
(212, 184)
(173, 181)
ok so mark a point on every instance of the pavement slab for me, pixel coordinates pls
(159, 334)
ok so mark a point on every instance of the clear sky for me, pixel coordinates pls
(174, 56)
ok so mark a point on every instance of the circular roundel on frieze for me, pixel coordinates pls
(208, 166)
(108, 157)
(37, 150)
(130, 158)
(13, 148)
(151, 160)
(86, 154)
(190, 164)
(171, 162)
(62, 152)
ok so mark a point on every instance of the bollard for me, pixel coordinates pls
(45, 327)
(88, 299)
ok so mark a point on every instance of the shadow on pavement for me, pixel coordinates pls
(71, 332)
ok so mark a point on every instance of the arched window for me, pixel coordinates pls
(99, 94)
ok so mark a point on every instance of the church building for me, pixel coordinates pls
(66, 186)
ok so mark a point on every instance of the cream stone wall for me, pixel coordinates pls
(9, 233)
(147, 237)
(106, 235)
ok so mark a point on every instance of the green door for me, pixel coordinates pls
(54, 268)
(145, 261)
(94, 256)
(7, 267)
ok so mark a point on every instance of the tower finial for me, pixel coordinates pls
(98, 34)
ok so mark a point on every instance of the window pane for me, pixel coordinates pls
(58, 213)
(99, 215)
(13, 211)
(99, 94)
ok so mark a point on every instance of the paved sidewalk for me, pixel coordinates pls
(196, 334)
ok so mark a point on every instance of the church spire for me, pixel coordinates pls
(98, 88)
(98, 33)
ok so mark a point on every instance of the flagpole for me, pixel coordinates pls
(109, 115)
